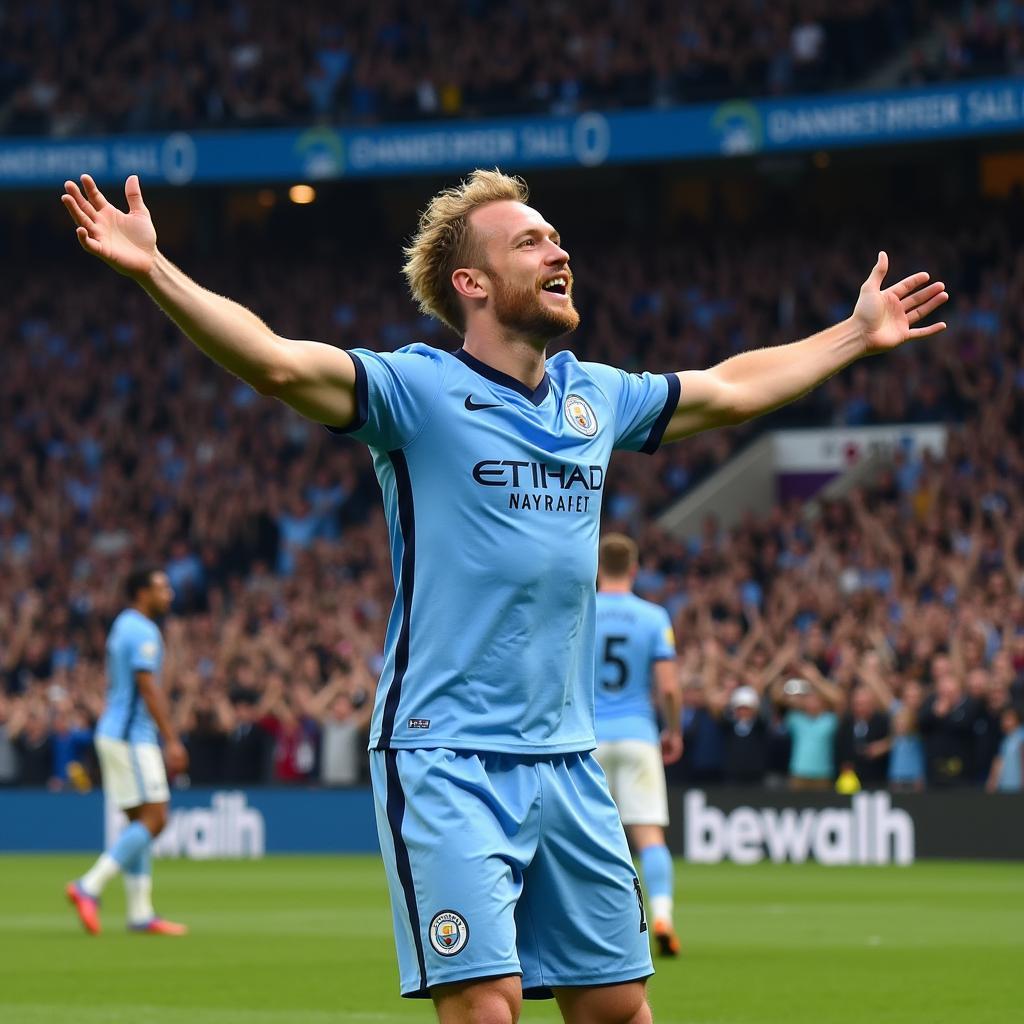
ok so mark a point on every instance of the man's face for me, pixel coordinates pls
(159, 594)
(862, 704)
(813, 704)
(525, 271)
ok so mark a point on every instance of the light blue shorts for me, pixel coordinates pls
(506, 864)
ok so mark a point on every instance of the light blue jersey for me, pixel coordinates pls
(1011, 776)
(133, 645)
(492, 492)
(632, 634)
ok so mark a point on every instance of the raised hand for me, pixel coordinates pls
(127, 241)
(886, 318)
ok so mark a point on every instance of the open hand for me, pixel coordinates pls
(127, 241)
(671, 746)
(176, 757)
(886, 318)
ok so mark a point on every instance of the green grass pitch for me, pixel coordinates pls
(307, 940)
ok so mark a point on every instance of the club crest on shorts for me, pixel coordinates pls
(448, 932)
(580, 415)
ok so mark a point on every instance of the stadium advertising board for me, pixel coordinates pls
(204, 824)
(835, 449)
(748, 826)
(733, 128)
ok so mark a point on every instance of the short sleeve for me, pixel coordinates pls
(664, 647)
(394, 394)
(145, 651)
(643, 404)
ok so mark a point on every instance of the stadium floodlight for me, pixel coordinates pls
(302, 194)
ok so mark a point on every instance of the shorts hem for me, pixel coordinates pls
(546, 990)
(660, 823)
(479, 973)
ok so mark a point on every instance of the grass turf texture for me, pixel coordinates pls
(308, 939)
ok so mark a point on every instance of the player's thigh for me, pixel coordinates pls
(581, 918)
(607, 756)
(149, 762)
(131, 776)
(605, 1004)
(452, 842)
(641, 797)
(490, 1001)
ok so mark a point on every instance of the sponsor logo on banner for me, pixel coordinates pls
(228, 828)
(739, 127)
(867, 831)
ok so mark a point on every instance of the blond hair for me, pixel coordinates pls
(443, 241)
(618, 555)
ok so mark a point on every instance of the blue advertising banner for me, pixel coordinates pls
(203, 824)
(733, 128)
(746, 826)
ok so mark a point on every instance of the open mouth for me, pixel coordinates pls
(557, 285)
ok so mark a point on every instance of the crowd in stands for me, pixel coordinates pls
(985, 40)
(135, 65)
(885, 636)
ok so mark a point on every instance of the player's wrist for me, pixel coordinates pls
(149, 277)
(851, 339)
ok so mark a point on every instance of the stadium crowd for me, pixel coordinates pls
(253, 62)
(985, 40)
(897, 616)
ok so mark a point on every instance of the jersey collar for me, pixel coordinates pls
(535, 395)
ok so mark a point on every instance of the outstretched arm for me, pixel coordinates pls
(314, 379)
(756, 382)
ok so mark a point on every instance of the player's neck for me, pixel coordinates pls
(614, 586)
(141, 610)
(512, 355)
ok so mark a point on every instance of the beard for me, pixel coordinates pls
(522, 310)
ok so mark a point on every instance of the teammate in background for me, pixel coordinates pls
(508, 868)
(130, 758)
(635, 673)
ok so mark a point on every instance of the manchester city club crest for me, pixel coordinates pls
(580, 415)
(449, 933)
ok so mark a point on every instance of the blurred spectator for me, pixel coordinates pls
(71, 735)
(295, 732)
(204, 721)
(863, 742)
(812, 725)
(947, 722)
(8, 751)
(702, 739)
(249, 745)
(746, 738)
(34, 744)
(1007, 773)
(343, 710)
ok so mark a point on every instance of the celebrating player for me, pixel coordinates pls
(130, 758)
(507, 864)
(635, 671)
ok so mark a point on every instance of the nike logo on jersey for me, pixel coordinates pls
(475, 407)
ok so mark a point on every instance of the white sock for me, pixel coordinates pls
(661, 908)
(138, 890)
(93, 881)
